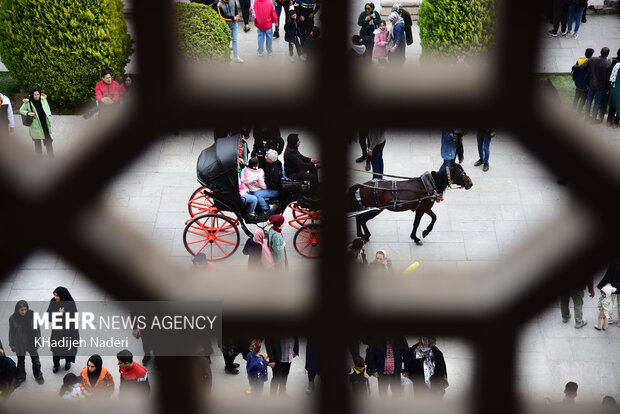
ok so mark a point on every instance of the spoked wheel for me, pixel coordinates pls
(214, 235)
(301, 216)
(200, 203)
(307, 240)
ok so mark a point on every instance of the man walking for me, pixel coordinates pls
(281, 352)
(576, 294)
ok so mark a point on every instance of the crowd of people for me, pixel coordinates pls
(386, 359)
(596, 82)
(298, 24)
(376, 42)
(94, 380)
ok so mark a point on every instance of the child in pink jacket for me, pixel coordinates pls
(382, 35)
(253, 178)
(264, 17)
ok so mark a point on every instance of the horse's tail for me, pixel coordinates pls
(352, 202)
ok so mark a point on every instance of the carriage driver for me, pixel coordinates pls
(298, 167)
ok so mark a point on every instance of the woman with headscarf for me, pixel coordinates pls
(381, 262)
(96, 379)
(36, 106)
(368, 21)
(257, 249)
(63, 302)
(397, 35)
(276, 243)
(428, 367)
(22, 336)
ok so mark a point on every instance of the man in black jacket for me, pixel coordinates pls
(599, 69)
(387, 359)
(266, 138)
(298, 167)
(273, 174)
(281, 352)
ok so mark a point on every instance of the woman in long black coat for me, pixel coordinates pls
(22, 340)
(63, 302)
(427, 367)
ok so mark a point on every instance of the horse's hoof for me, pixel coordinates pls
(419, 243)
(424, 234)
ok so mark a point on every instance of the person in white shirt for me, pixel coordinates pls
(6, 114)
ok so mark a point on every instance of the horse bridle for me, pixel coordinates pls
(460, 174)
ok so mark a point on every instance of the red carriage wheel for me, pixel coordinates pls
(214, 235)
(200, 203)
(307, 240)
(301, 216)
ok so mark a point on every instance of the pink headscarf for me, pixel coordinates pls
(266, 259)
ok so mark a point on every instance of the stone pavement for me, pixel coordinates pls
(474, 229)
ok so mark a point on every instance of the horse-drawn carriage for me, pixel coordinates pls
(217, 210)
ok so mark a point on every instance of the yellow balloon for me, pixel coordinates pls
(413, 266)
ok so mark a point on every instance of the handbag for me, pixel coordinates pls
(27, 119)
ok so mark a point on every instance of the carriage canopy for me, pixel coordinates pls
(217, 168)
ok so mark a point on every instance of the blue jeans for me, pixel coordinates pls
(251, 200)
(261, 201)
(233, 30)
(484, 139)
(266, 193)
(574, 12)
(262, 34)
(376, 159)
(598, 99)
(446, 163)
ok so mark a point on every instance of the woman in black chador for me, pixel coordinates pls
(22, 340)
(64, 303)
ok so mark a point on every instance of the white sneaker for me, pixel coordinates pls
(237, 59)
(270, 54)
(303, 57)
(575, 35)
(260, 54)
(292, 59)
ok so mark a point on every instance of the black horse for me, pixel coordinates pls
(415, 194)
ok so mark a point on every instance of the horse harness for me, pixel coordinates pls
(429, 185)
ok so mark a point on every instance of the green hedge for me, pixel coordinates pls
(450, 27)
(7, 84)
(62, 45)
(202, 35)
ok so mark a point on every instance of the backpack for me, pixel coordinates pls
(263, 374)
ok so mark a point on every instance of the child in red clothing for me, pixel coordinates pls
(133, 375)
